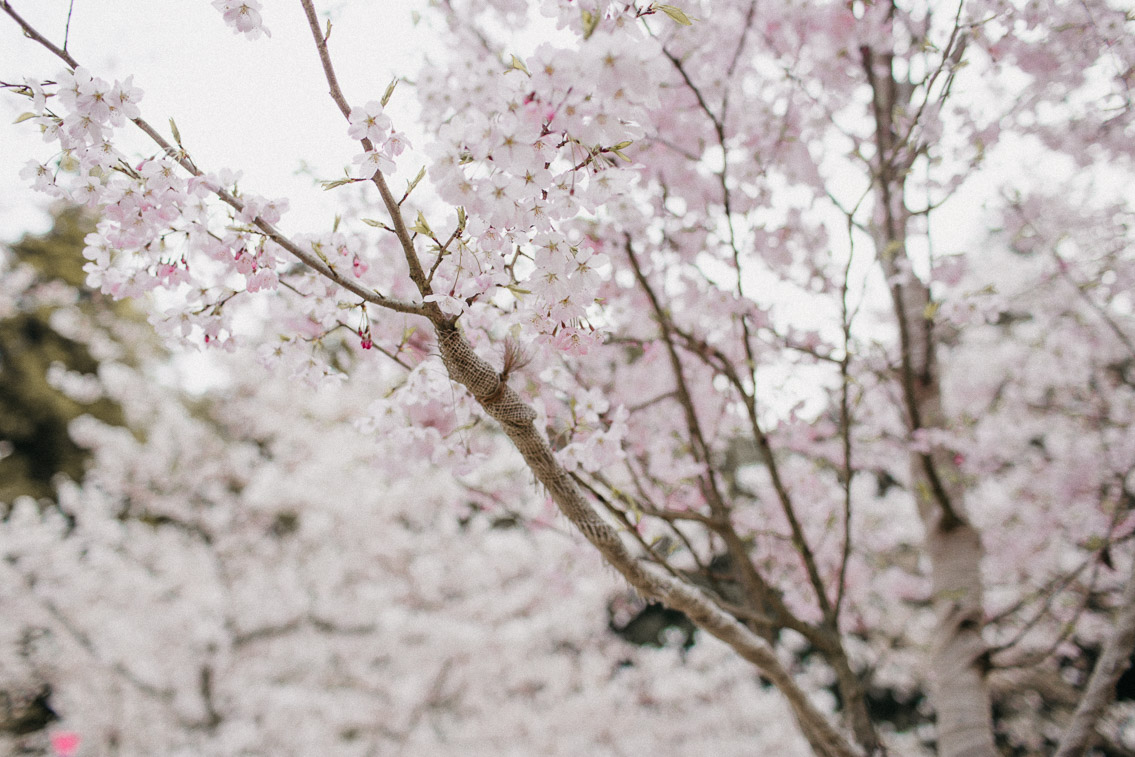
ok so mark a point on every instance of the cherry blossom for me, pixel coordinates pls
(371, 162)
(369, 122)
(65, 743)
(243, 16)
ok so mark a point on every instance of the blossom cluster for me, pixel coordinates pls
(424, 598)
(538, 149)
(157, 228)
(370, 122)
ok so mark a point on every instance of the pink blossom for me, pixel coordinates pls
(358, 266)
(74, 87)
(123, 99)
(243, 16)
(82, 127)
(448, 303)
(43, 179)
(395, 144)
(372, 162)
(38, 96)
(65, 743)
(369, 122)
(261, 279)
(88, 191)
(161, 176)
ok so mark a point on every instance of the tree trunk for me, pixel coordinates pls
(958, 663)
(958, 659)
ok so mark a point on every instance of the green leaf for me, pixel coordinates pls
(931, 310)
(1093, 543)
(176, 133)
(622, 155)
(518, 65)
(389, 91)
(461, 219)
(634, 508)
(421, 226)
(336, 183)
(376, 224)
(23, 117)
(952, 595)
(675, 13)
(410, 185)
(590, 22)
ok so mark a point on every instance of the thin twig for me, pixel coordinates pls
(31, 33)
(845, 421)
(417, 275)
(67, 28)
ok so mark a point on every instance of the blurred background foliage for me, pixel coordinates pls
(35, 446)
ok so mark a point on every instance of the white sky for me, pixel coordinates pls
(258, 106)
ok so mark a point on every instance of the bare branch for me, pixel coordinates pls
(845, 419)
(31, 33)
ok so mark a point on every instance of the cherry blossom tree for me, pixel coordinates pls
(200, 594)
(813, 320)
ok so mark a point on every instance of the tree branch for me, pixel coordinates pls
(31, 33)
(1100, 692)
(417, 274)
(502, 403)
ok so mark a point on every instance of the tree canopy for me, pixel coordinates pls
(812, 321)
